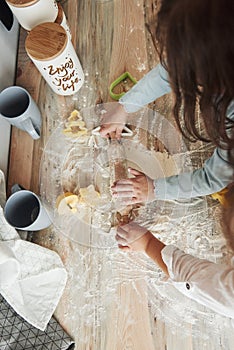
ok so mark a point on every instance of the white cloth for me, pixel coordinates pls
(32, 278)
(208, 283)
(9, 265)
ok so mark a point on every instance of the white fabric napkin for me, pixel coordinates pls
(32, 278)
(9, 265)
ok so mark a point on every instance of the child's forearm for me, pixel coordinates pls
(153, 250)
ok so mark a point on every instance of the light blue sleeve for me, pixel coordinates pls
(215, 175)
(153, 85)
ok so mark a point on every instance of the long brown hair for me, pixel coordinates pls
(196, 46)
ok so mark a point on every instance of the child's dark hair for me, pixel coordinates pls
(196, 46)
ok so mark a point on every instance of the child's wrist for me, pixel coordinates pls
(149, 238)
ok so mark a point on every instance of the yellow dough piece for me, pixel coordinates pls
(79, 123)
(67, 204)
(89, 195)
(75, 131)
(62, 196)
(225, 196)
(74, 116)
(75, 126)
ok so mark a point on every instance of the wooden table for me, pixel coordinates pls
(110, 37)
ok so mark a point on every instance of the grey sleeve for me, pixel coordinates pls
(215, 175)
(153, 85)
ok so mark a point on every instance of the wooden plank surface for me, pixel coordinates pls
(110, 37)
(109, 40)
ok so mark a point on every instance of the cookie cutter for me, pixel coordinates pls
(125, 133)
(116, 82)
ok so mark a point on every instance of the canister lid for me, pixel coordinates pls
(46, 41)
(59, 18)
(21, 3)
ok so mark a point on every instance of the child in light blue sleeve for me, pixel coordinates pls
(197, 64)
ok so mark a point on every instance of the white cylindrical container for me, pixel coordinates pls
(30, 13)
(52, 52)
(62, 20)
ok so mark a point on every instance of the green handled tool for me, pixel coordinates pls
(121, 79)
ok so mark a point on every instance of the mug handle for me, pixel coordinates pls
(16, 188)
(27, 123)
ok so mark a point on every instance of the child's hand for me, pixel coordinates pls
(137, 238)
(133, 237)
(113, 121)
(135, 190)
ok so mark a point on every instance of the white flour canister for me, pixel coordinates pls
(50, 48)
(30, 13)
(62, 20)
